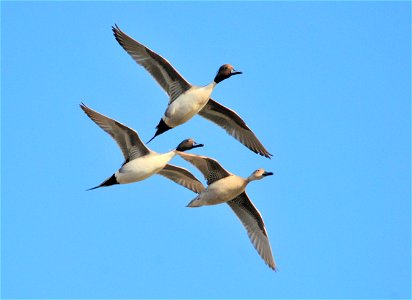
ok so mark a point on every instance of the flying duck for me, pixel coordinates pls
(187, 100)
(141, 162)
(224, 186)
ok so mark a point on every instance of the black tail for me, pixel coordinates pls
(112, 180)
(161, 127)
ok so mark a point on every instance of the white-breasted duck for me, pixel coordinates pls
(187, 100)
(141, 162)
(224, 186)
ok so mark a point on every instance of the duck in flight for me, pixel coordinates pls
(141, 162)
(187, 100)
(224, 186)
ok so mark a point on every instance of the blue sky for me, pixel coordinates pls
(325, 86)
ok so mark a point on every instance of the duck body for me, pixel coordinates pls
(225, 187)
(143, 167)
(187, 100)
(220, 191)
(141, 162)
(187, 105)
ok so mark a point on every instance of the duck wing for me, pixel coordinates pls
(161, 70)
(210, 168)
(183, 177)
(234, 125)
(127, 139)
(255, 227)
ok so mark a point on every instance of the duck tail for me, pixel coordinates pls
(195, 203)
(110, 181)
(161, 127)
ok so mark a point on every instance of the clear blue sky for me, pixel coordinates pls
(326, 87)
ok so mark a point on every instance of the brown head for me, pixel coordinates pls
(225, 72)
(188, 144)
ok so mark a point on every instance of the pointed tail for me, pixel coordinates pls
(195, 203)
(110, 181)
(161, 127)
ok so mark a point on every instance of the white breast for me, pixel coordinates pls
(188, 105)
(143, 167)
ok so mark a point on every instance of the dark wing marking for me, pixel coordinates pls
(183, 177)
(127, 139)
(210, 168)
(234, 125)
(161, 70)
(255, 227)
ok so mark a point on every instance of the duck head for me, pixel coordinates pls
(259, 174)
(225, 72)
(188, 144)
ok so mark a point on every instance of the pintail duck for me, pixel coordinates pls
(224, 186)
(187, 100)
(141, 162)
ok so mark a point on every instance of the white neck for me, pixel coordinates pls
(211, 85)
(251, 178)
(169, 155)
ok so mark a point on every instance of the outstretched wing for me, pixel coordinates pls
(183, 177)
(255, 227)
(234, 125)
(161, 70)
(127, 139)
(210, 168)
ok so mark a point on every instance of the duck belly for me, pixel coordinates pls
(220, 191)
(187, 105)
(143, 167)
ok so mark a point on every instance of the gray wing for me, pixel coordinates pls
(255, 227)
(234, 125)
(210, 168)
(161, 70)
(183, 177)
(127, 139)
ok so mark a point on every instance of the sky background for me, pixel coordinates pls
(326, 88)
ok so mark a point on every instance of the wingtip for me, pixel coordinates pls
(115, 28)
(117, 33)
(264, 153)
(87, 110)
(270, 262)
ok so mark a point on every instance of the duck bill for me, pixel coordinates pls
(267, 174)
(197, 145)
(235, 73)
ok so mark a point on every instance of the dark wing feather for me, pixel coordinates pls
(183, 177)
(127, 139)
(234, 125)
(210, 168)
(161, 70)
(255, 227)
